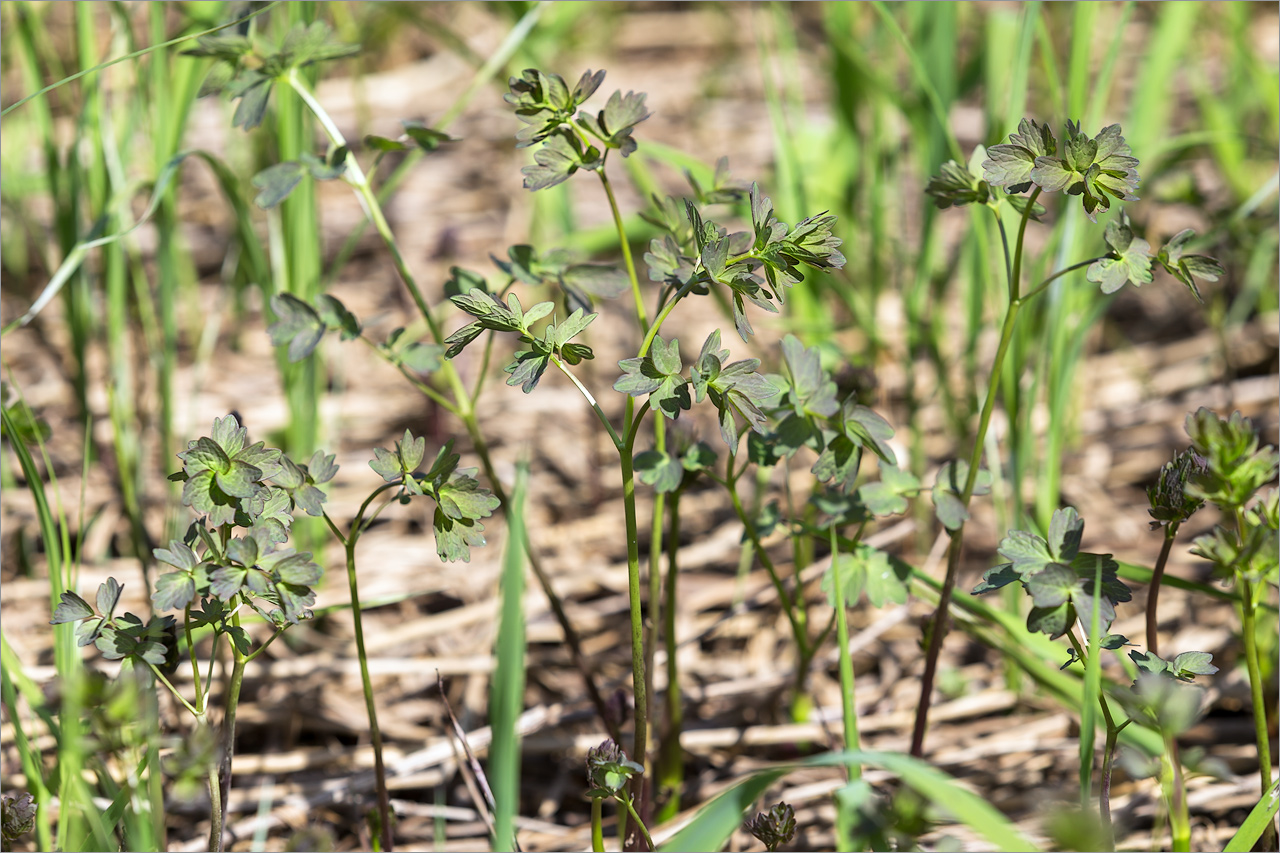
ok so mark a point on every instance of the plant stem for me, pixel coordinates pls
(371, 708)
(640, 741)
(670, 775)
(228, 742)
(939, 623)
(464, 403)
(641, 314)
(644, 831)
(1153, 594)
(597, 824)
(1179, 821)
(653, 623)
(1248, 627)
(848, 707)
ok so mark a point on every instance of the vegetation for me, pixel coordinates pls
(810, 463)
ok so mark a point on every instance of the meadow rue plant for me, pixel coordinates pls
(1098, 169)
(1074, 590)
(233, 560)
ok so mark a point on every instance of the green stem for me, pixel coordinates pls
(216, 814)
(640, 742)
(938, 627)
(1179, 819)
(553, 599)
(641, 315)
(228, 741)
(1248, 627)
(851, 740)
(644, 831)
(1050, 280)
(670, 775)
(597, 825)
(653, 622)
(192, 708)
(798, 629)
(603, 418)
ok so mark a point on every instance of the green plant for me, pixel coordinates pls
(1099, 170)
(233, 560)
(1234, 471)
(1073, 589)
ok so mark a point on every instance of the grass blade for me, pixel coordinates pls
(507, 687)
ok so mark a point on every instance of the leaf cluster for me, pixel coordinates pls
(460, 500)
(246, 70)
(301, 326)
(755, 266)
(1058, 576)
(550, 112)
(117, 637)
(773, 827)
(277, 182)
(531, 361)
(1130, 260)
(1097, 169)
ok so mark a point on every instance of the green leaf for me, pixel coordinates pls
(553, 163)
(871, 430)
(1187, 665)
(71, 609)
(227, 581)
(658, 375)
(463, 498)
(1053, 621)
(1066, 529)
(204, 454)
(1010, 165)
(425, 137)
(108, 597)
(243, 550)
(456, 536)
(297, 569)
(277, 182)
(298, 325)
(997, 577)
(659, 470)
(174, 591)
(884, 578)
(178, 554)
(1132, 261)
(957, 185)
(1051, 585)
(888, 496)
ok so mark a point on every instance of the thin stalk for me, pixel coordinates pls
(670, 774)
(228, 743)
(641, 315)
(653, 621)
(366, 683)
(597, 824)
(640, 740)
(644, 831)
(939, 624)
(850, 712)
(1248, 626)
(1179, 820)
(1153, 595)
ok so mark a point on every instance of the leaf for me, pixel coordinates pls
(554, 162)
(108, 597)
(227, 581)
(871, 430)
(425, 137)
(1132, 261)
(997, 577)
(71, 609)
(1190, 664)
(1053, 621)
(1010, 165)
(178, 554)
(298, 569)
(1066, 528)
(298, 325)
(888, 496)
(174, 591)
(463, 498)
(456, 536)
(277, 182)
(1051, 585)
(659, 470)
